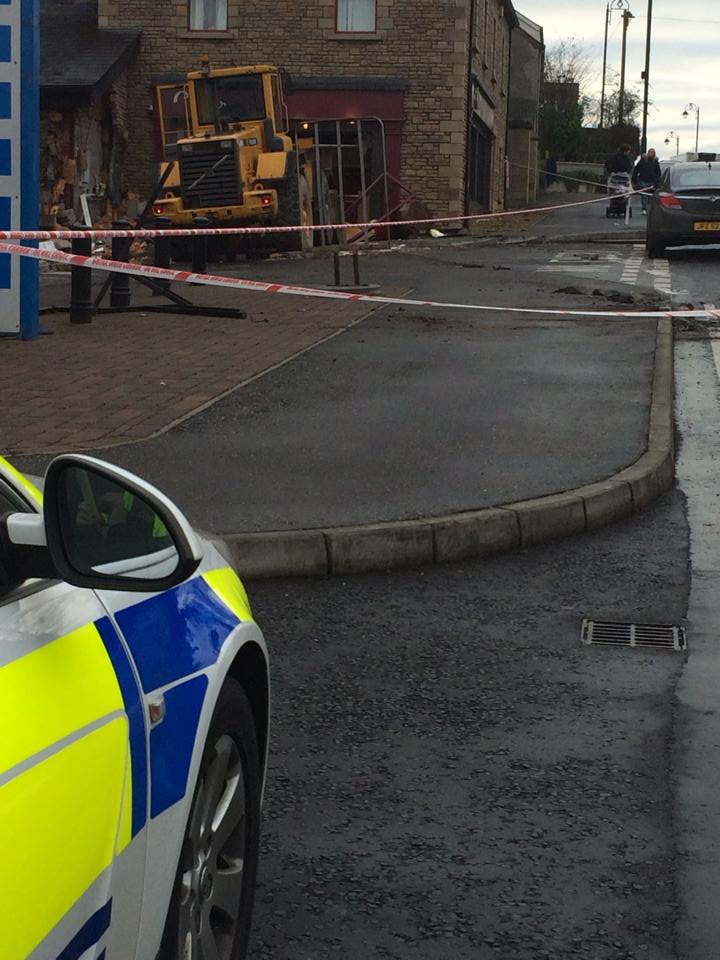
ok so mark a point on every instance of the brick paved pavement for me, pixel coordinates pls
(127, 377)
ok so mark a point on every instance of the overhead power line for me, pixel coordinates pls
(677, 19)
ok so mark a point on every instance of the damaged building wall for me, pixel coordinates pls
(116, 193)
(83, 104)
(57, 164)
(83, 149)
(92, 146)
(74, 158)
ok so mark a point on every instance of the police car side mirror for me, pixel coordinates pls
(106, 529)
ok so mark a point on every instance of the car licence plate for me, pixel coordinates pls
(707, 225)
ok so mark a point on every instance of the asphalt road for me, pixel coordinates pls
(453, 775)
(696, 759)
(690, 273)
(411, 415)
(416, 412)
(695, 275)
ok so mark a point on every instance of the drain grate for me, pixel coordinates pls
(661, 635)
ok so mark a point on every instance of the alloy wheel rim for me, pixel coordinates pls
(214, 858)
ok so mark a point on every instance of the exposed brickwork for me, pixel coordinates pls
(119, 102)
(426, 43)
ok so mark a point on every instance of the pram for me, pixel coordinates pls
(619, 188)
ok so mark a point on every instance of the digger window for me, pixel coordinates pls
(172, 113)
(236, 98)
(278, 105)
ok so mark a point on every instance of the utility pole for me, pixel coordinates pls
(604, 70)
(627, 17)
(646, 78)
(611, 5)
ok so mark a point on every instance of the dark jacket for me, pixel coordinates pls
(619, 163)
(647, 171)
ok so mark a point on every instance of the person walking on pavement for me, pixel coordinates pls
(620, 161)
(646, 175)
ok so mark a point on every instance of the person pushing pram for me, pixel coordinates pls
(619, 168)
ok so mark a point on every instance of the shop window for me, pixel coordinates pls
(356, 16)
(208, 14)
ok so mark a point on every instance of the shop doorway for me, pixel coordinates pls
(479, 166)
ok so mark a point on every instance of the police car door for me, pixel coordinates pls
(72, 774)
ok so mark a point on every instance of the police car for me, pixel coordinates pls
(134, 707)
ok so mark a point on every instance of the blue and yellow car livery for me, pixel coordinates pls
(106, 698)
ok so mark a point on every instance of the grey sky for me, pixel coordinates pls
(684, 62)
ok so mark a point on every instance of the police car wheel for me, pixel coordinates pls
(211, 907)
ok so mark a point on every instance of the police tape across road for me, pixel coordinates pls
(259, 286)
(143, 234)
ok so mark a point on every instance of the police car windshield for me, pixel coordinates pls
(702, 175)
(237, 98)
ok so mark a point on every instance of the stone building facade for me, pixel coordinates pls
(435, 71)
(490, 28)
(526, 80)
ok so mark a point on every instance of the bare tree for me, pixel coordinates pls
(632, 103)
(567, 62)
(568, 71)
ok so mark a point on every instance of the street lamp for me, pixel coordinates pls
(673, 136)
(696, 108)
(612, 5)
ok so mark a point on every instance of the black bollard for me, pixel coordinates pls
(356, 268)
(336, 267)
(82, 309)
(200, 246)
(120, 285)
(162, 253)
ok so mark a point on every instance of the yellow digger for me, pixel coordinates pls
(239, 166)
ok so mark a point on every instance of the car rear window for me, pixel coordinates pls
(701, 177)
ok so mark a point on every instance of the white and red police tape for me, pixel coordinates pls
(149, 234)
(259, 286)
(569, 178)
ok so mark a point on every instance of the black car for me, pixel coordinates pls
(685, 208)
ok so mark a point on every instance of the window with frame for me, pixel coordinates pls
(356, 16)
(209, 15)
